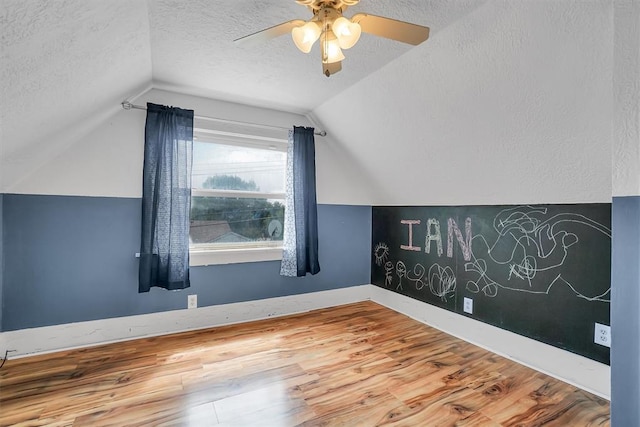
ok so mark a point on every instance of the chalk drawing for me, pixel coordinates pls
(417, 275)
(388, 273)
(465, 242)
(442, 281)
(381, 253)
(410, 223)
(433, 236)
(401, 271)
(528, 243)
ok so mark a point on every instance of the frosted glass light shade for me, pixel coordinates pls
(331, 51)
(347, 32)
(305, 36)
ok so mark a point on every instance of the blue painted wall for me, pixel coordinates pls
(71, 259)
(1, 258)
(625, 318)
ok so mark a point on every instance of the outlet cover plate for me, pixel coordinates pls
(602, 335)
(192, 301)
(468, 305)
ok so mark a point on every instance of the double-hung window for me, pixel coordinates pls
(237, 197)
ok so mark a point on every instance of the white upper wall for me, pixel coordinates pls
(626, 113)
(108, 161)
(510, 104)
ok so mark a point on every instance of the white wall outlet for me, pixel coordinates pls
(468, 305)
(602, 335)
(192, 301)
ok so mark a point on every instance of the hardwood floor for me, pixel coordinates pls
(355, 365)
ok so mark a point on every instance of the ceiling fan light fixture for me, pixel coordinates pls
(337, 32)
(347, 32)
(330, 47)
(305, 36)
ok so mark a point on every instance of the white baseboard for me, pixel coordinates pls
(584, 373)
(587, 374)
(47, 339)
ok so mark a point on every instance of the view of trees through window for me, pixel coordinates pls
(229, 182)
(235, 219)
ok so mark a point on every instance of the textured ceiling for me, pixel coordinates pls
(511, 104)
(192, 47)
(67, 62)
(526, 77)
(63, 64)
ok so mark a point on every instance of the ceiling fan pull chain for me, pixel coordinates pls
(325, 42)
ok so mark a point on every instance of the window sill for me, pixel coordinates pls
(233, 256)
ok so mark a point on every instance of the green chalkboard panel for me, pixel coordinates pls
(541, 271)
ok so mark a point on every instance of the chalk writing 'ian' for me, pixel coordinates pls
(433, 235)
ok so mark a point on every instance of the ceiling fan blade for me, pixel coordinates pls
(330, 69)
(391, 29)
(269, 33)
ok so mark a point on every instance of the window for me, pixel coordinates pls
(238, 191)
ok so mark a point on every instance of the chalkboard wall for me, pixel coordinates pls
(542, 271)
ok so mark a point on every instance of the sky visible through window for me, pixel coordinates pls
(264, 167)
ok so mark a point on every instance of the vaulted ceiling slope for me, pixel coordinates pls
(67, 64)
(511, 104)
(507, 102)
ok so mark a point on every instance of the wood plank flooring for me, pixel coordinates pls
(355, 365)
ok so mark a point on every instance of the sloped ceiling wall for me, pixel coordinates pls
(108, 161)
(507, 102)
(512, 104)
(66, 65)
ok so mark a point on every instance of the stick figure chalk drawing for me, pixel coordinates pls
(401, 271)
(381, 253)
(388, 273)
(441, 281)
(529, 242)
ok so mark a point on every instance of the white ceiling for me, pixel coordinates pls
(191, 47)
(67, 62)
(498, 80)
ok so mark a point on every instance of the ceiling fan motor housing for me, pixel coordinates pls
(334, 4)
(326, 16)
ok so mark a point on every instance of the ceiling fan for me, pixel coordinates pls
(336, 32)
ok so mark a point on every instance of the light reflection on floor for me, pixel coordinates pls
(268, 406)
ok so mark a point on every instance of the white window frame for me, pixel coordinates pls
(202, 255)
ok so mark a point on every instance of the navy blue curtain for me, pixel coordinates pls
(305, 205)
(166, 198)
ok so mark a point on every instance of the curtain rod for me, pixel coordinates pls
(129, 106)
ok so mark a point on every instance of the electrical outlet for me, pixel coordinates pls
(468, 305)
(602, 335)
(192, 301)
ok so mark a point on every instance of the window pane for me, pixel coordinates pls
(235, 221)
(228, 167)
